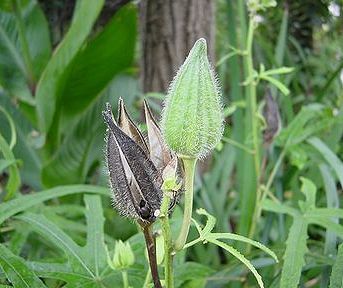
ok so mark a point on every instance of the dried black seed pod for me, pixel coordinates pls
(136, 169)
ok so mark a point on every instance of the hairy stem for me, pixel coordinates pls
(151, 247)
(189, 164)
(168, 246)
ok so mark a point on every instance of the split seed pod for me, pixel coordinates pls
(136, 167)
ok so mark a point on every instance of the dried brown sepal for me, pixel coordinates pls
(129, 127)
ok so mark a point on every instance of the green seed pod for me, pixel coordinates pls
(192, 119)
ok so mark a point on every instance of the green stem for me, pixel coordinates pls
(168, 246)
(147, 279)
(263, 192)
(125, 279)
(189, 165)
(252, 97)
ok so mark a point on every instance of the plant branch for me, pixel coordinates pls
(151, 247)
(189, 164)
(168, 246)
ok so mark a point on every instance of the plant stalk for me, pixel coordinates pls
(151, 247)
(189, 165)
(125, 279)
(168, 245)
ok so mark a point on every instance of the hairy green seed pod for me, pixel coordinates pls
(192, 119)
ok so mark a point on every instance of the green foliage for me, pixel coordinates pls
(55, 212)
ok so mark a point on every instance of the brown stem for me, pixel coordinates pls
(151, 247)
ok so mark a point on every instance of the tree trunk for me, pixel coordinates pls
(169, 29)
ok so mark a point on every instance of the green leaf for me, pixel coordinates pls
(20, 204)
(309, 190)
(336, 279)
(278, 71)
(329, 156)
(327, 224)
(236, 237)
(311, 119)
(24, 149)
(187, 272)
(61, 240)
(271, 206)
(325, 213)
(16, 270)
(294, 254)
(103, 57)
(53, 77)
(58, 271)
(95, 249)
(13, 182)
(276, 83)
(241, 258)
(24, 48)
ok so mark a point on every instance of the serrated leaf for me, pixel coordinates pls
(309, 190)
(336, 279)
(276, 83)
(53, 76)
(241, 258)
(327, 224)
(325, 213)
(236, 237)
(294, 254)
(271, 206)
(16, 270)
(15, 206)
(278, 71)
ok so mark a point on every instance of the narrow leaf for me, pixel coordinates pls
(20, 204)
(52, 78)
(57, 237)
(240, 257)
(16, 270)
(336, 279)
(271, 206)
(276, 83)
(236, 237)
(13, 182)
(294, 254)
(95, 248)
(329, 156)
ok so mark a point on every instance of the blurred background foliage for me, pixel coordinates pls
(61, 60)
